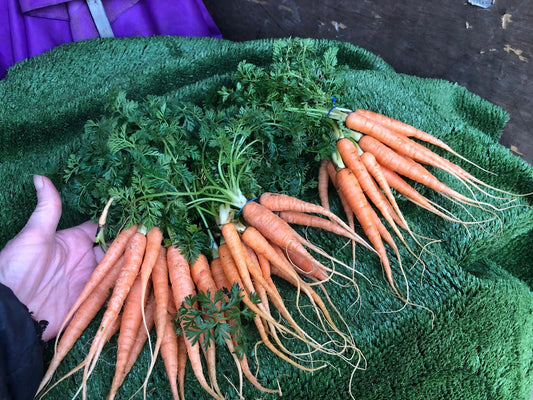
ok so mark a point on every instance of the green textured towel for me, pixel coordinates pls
(479, 288)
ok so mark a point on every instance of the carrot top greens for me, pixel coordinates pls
(175, 165)
(216, 319)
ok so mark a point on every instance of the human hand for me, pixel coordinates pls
(46, 269)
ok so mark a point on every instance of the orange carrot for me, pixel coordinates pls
(183, 286)
(142, 333)
(161, 283)
(408, 147)
(217, 272)
(161, 292)
(201, 276)
(323, 183)
(410, 131)
(133, 257)
(385, 135)
(278, 231)
(411, 194)
(352, 160)
(153, 244)
(407, 167)
(263, 249)
(332, 172)
(111, 331)
(309, 220)
(376, 171)
(248, 269)
(169, 349)
(131, 321)
(282, 202)
(230, 235)
(353, 192)
(113, 253)
(404, 129)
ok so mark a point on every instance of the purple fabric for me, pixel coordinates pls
(31, 27)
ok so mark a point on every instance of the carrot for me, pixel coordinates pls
(263, 249)
(363, 212)
(112, 330)
(261, 289)
(169, 349)
(81, 319)
(183, 286)
(414, 150)
(131, 321)
(309, 220)
(247, 269)
(282, 202)
(217, 272)
(253, 262)
(280, 232)
(350, 156)
(221, 283)
(204, 282)
(113, 253)
(389, 137)
(153, 244)
(206, 276)
(410, 131)
(404, 129)
(133, 257)
(407, 167)
(376, 171)
(323, 183)
(142, 333)
(161, 292)
(332, 172)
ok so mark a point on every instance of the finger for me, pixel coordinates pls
(90, 228)
(45, 217)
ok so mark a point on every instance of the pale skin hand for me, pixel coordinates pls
(45, 268)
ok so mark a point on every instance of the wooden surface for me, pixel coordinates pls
(487, 50)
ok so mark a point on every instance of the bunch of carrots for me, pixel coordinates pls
(375, 155)
(143, 283)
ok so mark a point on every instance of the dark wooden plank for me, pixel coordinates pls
(445, 39)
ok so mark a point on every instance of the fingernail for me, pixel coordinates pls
(38, 182)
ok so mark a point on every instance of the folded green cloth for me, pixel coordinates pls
(477, 341)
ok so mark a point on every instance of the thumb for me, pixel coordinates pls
(46, 215)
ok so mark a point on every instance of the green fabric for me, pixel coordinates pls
(477, 283)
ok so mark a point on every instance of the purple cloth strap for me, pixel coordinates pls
(31, 27)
